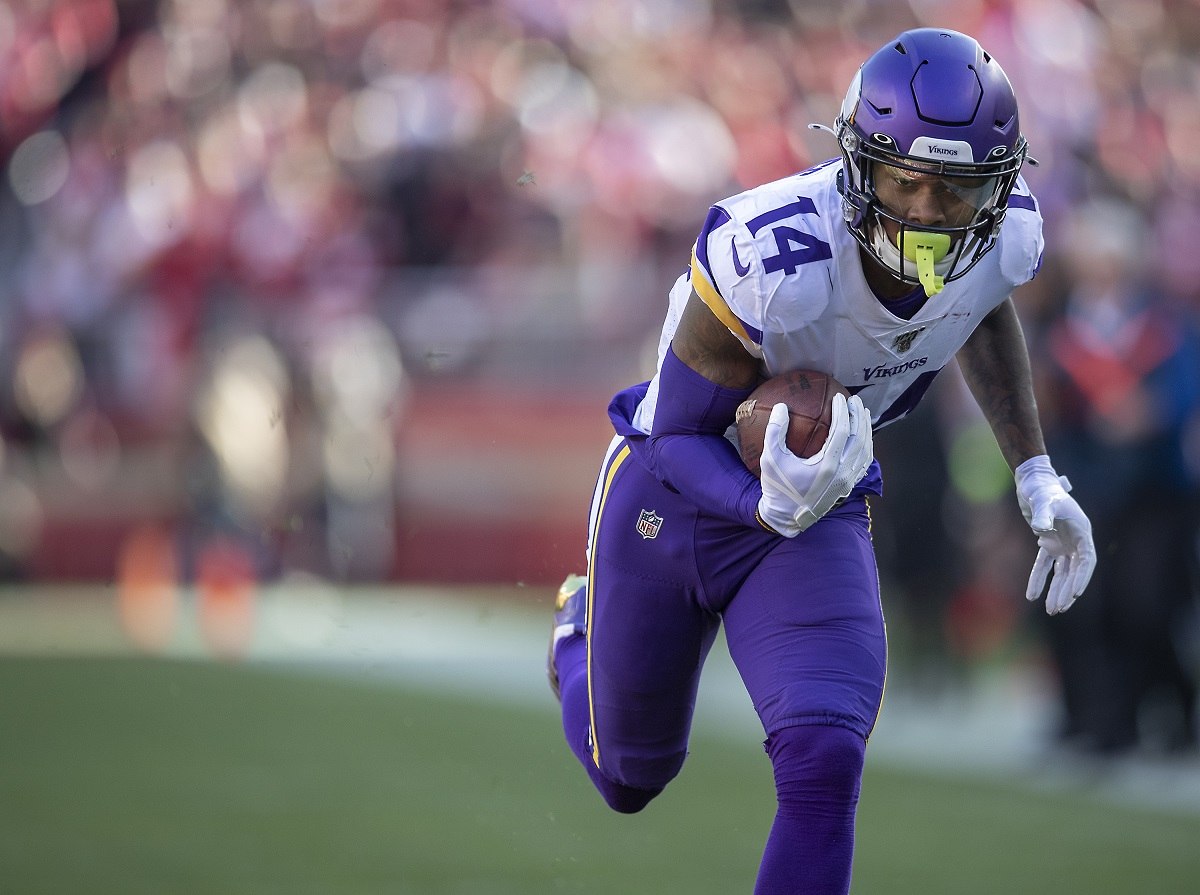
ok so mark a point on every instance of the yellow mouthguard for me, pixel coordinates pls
(926, 249)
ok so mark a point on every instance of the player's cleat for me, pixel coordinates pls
(570, 617)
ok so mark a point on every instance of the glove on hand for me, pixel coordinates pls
(796, 491)
(1063, 532)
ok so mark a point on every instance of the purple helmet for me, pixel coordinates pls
(931, 101)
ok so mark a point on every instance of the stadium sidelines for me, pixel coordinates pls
(490, 644)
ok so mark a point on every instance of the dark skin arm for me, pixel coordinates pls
(706, 345)
(995, 365)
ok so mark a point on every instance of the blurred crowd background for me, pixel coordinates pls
(340, 288)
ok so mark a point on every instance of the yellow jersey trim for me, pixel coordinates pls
(711, 297)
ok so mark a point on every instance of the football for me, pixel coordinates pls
(809, 397)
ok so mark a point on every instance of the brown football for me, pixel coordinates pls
(809, 397)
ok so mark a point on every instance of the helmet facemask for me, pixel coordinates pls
(920, 254)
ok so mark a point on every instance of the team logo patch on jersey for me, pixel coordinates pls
(648, 524)
(904, 341)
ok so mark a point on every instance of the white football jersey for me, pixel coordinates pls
(778, 265)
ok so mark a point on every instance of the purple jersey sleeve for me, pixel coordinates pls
(687, 450)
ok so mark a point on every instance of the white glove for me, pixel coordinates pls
(797, 492)
(1063, 532)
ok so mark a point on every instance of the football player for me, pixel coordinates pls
(878, 267)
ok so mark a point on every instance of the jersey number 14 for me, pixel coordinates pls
(796, 247)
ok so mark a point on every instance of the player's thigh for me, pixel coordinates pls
(646, 647)
(806, 628)
(647, 634)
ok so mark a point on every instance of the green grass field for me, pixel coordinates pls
(130, 776)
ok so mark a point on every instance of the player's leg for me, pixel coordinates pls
(818, 770)
(806, 632)
(628, 687)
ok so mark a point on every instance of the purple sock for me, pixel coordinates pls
(818, 771)
(571, 661)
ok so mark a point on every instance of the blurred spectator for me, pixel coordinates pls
(1119, 390)
(206, 199)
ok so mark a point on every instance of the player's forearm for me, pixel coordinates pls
(707, 470)
(995, 365)
(687, 449)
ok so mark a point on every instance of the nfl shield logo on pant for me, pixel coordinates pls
(648, 524)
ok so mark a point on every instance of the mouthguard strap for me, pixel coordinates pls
(926, 249)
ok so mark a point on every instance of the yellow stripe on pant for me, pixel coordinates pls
(621, 456)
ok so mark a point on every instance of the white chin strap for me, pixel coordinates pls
(929, 253)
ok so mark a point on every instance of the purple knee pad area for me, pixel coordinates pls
(818, 770)
(818, 766)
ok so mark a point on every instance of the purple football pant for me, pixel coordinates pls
(804, 627)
